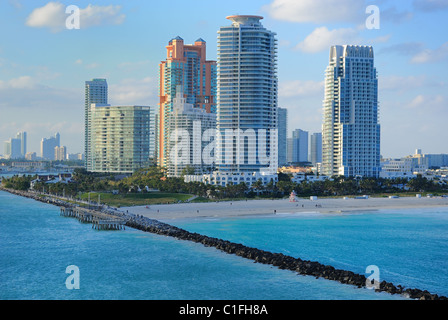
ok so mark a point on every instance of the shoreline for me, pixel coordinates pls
(279, 260)
(240, 208)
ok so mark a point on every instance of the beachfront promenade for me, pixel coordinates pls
(279, 260)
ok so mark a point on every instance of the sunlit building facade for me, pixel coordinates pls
(120, 138)
(185, 67)
(247, 97)
(95, 92)
(351, 129)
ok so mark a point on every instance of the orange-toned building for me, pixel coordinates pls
(185, 67)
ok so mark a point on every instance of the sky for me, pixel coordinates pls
(43, 64)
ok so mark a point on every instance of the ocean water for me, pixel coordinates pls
(37, 245)
(409, 247)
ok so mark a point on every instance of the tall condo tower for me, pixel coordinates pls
(95, 92)
(22, 136)
(185, 67)
(299, 146)
(120, 138)
(351, 130)
(247, 97)
(316, 148)
(282, 135)
(47, 146)
(191, 129)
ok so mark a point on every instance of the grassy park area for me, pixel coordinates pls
(135, 199)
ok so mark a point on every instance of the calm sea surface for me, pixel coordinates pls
(37, 245)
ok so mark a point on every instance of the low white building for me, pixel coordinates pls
(225, 179)
(299, 177)
(402, 168)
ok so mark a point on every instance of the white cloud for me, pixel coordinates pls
(97, 15)
(53, 16)
(400, 84)
(134, 65)
(134, 92)
(321, 39)
(425, 103)
(317, 11)
(300, 88)
(22, 82)
(430, 56)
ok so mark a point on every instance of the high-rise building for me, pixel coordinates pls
(60, 153)
(247, 97)
(12, 148)
(316, 148)
(289, 149)
(120, 138)
(47, 146)
(22, 136)
(191, 131)
(95, 92)
(351, 129)
(299, 144)
(153, 133)
(282, 136)
(185, 67)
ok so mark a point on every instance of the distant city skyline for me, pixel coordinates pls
(42, 89)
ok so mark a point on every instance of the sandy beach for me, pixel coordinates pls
(282, 206)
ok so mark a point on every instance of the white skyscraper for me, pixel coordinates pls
(282, 135)
(351, 130)
(316, 148)
(247, 97)
(95, 92)
(12, 148)
(299, 146)
(191, 131)
(47, 146)
(22, 136)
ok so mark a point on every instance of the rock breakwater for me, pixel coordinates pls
(279, 260)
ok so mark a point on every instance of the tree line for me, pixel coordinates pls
(155, 178)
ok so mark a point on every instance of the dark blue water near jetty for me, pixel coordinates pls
(37, 245)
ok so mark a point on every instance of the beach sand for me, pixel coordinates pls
(280, 206)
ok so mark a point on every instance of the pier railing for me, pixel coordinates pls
(99, 220)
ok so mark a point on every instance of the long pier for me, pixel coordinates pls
(99, 220)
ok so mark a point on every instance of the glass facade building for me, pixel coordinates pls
(120, 138)
(351, 129)
(95, 92)
(316, 148)
(47, 146)
(282, 136)
(246, 97)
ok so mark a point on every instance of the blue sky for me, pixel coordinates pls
(43, 65)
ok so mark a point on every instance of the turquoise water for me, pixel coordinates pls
(37, 245)
(410, 247)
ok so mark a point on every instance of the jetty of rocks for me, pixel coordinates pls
(279, 260)
(303, 267)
